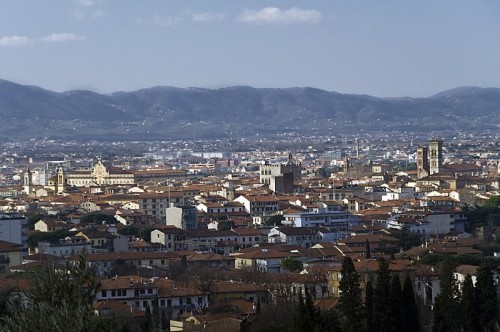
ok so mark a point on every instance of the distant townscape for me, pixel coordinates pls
(290, 232)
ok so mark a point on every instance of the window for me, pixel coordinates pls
(103, 293)
(169, 303)
(162, 303)
(113, 293)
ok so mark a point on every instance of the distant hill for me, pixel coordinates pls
(172, 113)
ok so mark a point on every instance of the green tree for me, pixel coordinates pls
(129, 230)
(410, 320)
(382, 318)
(292, 264)
(468, 305)
(369, 306)
(97, 218)
(299, 314)
(350, 296)
(33, 219)
(307, 317)
(60, 299)
(396, 303)
(368, 253)
(486, 299)
(447, 310)
(34, 238)
(275, 220)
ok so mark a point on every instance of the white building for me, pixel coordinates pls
(67, 247)
(14, 229)
(337, 221)
(183, 217)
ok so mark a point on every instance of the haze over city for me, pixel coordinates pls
(382, 48)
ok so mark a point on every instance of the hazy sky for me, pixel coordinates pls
(382, 48)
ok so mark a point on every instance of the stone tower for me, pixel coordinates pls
(422, 162)
(28, 181)
(435, 156)
(60, 186)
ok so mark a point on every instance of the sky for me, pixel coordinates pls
(382, 48)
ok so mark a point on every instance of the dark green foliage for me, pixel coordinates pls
(408, 239)
(33, 219)
(97, 218)
(275, 220)
(307, 317)
(382, 318)
(396, 302)
(292, 264)
(435, 259)
(368, 253)
(478, 216)
(60, 299)
(410, 316)
(368, 306)
(300, 312)
(468, 305)
(486, 299)
(34, 238)
(272, 319)
(350, 297)
(145, 233)
(129, 230)
(447, 309)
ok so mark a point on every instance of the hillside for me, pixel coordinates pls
(170, 113)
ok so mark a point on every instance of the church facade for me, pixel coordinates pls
(99, 175)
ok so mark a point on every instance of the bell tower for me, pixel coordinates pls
(61, 181)
(28, 181)
(435, 156)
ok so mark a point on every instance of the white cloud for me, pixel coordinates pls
(182, 17)
(61, 37)
(85, 3)
(276, 15)
(88, 8)
(15, 41)
(205, 17)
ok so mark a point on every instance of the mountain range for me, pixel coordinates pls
(177, 113)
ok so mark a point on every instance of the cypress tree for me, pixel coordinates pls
(382, 319)
(368, 253)
(299, 315)
(310, 309)
(369, 306)
(350, 296)
(396, 303)
(468, 305)
(447, 309)
(410, 317)
(486, 298)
